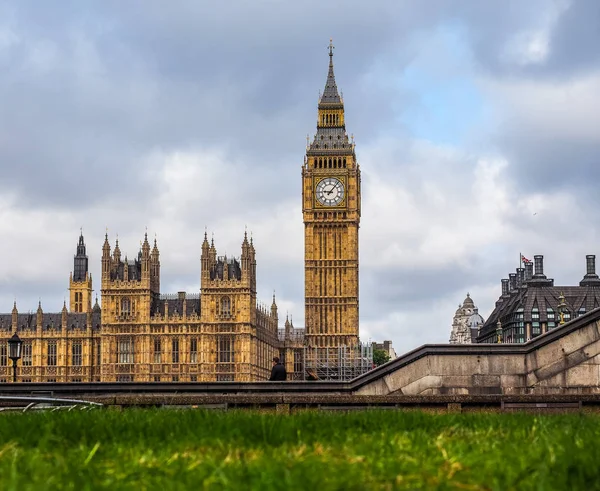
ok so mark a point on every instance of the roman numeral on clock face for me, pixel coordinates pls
(330, 191)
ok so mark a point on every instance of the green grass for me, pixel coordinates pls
(191, 449)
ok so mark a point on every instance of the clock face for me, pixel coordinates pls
(330, 191)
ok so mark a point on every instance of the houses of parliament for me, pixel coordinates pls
(222, 333)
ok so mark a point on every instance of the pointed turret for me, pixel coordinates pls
(106, 246)
(64, 315)
(105, 258)
(15, 314)
(205, 260)
(117, 252)
(146, 246)
(80, 281)
(39, 315)
(97, 306)
(274, 314)
(205, 244)
(330, 94)
(145, 258)
(80, 261)
(155, 269)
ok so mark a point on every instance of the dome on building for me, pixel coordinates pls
(475, 321)
(468, 302)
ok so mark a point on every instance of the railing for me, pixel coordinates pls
(176, 296)
(24, 404)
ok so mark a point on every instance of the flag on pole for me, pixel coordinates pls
(524, 260)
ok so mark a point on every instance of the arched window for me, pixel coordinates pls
(225, 306)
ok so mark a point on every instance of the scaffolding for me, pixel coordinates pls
(341, 363)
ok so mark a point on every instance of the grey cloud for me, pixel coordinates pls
(91, 90)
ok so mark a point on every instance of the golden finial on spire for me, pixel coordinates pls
(331, 47)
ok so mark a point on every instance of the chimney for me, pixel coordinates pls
(528, 271)
(520, 277)
(505, 287)
(512, 282)
(591, 264)
(539, 266)
(591, 278)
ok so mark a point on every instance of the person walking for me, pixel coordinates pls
(278, 372)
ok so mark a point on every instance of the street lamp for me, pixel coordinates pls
(14, 352)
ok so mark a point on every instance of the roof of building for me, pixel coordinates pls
(175, 304)
(50, 320)
(527, 294)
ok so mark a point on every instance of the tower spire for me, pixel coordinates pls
(330, 94)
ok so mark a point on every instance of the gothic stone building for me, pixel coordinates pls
(222, 333)
(531, 304)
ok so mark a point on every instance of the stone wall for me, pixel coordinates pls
(563, 361)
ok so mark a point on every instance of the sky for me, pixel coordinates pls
(477, 130)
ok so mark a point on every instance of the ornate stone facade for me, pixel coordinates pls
(466, 323)
(331, 210)
(141, 335)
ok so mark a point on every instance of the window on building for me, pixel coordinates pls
(194, 350)
(175, 351)
(225, 306)
(581, 311)
(125, 350)
(157, 378)
(157, 350)
(76, 351)
(225, 349)
(193, 378)
(125, 306)
(27, 353)
(225, 358)
(175, 378)
(98, 353)
(124, 378)
(3, 354)
(51, 353)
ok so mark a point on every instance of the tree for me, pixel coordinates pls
(380, 357)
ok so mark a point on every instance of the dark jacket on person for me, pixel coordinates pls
(278, 372)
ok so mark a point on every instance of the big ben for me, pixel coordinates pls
(331, 212)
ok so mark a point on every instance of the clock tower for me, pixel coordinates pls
(331, 210)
